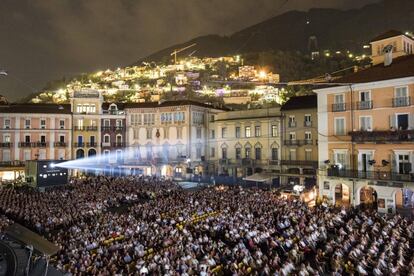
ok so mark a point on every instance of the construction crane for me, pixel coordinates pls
(180, 50)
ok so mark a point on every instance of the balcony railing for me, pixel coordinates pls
(308, 142)
(371, 175)
(247, 162)
(42, 144)
(364, 105)
(26, 145)
(401, 101)
(338, 107)
(382, 137)
(292, 124)
(60, 144)
(119, 128)
(309, 163)
(79, 145)
(86, 128)
(292, 142)
(118, 145)
(91, 144)
(106, 128)
(307, 123)
(224, 161)
(274, 162)
(6, 145)
(12, 163)
(113, 112)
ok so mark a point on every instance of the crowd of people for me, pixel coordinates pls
(165, 230)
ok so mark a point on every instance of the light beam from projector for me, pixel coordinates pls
(102, 161)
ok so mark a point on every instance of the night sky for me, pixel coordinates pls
(43, 40)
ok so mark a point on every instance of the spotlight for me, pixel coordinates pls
(52, 165)
(327, 162)
(372, 162)
(385, 163)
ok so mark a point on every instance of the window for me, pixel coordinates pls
(106, 154)
(92, 140)
(340, 159)
(213, 134)
(308, 154)
(404, 165)
(6, 138)
(339, 126)
(258, 153)
(292, 136)
(224, 153)
(274, 131)
(237, 132)
(42, 139)
(7, 123)
(339, 102)
(166, 133)
(212, 152)
(365, 100)
(308, 120)
(27, 155)
(179, 133)
(275, 154)
(119, 139)
(61, 124)
(223, 132)
(27, 123)
(149, 133)
(257, 131)
(6, 155)
(292, 121)
(401, 97)
(198, 152)
(365, 123)
(61, 138)
(238, 153)
(292, 154)
(247, 132)
(42, 123)
(308, 135)
(247, 152)
(107, 139)
(27, 138)
(198, 133)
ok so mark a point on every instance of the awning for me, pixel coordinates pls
(259, 177)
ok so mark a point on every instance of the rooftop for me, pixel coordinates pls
(401, 67)
(389, 34)
(301, 102)
(36, 108)
(170, 103)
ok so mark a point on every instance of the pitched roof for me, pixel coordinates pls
(171, 103)
(388, 34)
(36, 108)
(301, 102)
(401, 67)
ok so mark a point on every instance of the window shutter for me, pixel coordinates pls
(393, 163)
(392, 121)
(411, 121)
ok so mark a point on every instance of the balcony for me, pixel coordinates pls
(307, 123)
(364, 105)
(308, 163)
(118, 145)
(382, 137)
(12, 163)
(6, 145)
(113, 112)
(338, 107)
(292, 142)
(91, 144)
(86, 128)
(79, 145)
(292, 124)
(401, 101)
(274, 162)
(247, 162)
(60, 144)
(41, 144)
(26, 145)
(371, 175)
(105, 128)
(119, 128)
(308, 142)
(223, 161)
